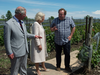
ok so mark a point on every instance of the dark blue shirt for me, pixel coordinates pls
(64, 29)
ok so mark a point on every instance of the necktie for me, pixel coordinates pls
(20, 24)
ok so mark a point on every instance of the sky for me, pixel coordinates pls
(77, 9)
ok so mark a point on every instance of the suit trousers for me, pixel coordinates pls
(66, 49)
(19, 64)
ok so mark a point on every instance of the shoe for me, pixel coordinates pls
(68, 69)
(45, 70)
(37, 73)
(58, 69)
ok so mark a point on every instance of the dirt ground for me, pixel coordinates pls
(6, 70)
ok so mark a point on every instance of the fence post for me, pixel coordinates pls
(90, 57)
(90, 31)
(89, 41)
(86, 31)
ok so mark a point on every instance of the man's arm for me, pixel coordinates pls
(53, 28)
(72, 32)
(32, 35)
(7, 37)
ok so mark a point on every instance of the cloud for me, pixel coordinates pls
(75, 14)
(32, 12)
(47, 4)
(2, 13)
(96, 12)
(37, 2)
(82, 14)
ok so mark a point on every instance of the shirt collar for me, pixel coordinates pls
(63, 19)
(17, 19)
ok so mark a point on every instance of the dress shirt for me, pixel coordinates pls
(64, 29)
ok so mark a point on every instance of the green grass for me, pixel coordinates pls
(4, 62)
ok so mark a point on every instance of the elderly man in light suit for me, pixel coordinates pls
(15, 38)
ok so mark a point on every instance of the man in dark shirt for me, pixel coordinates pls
(63, 34)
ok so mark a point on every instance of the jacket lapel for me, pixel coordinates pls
(17, 25)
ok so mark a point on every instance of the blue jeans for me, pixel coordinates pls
(66, 49)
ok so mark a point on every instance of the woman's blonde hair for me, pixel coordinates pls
(39, 16)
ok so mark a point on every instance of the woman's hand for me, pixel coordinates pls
(40, 47)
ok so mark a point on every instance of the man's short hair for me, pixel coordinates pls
(61, 10)
(20, 10)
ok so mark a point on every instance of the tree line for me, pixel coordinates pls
(9, 15)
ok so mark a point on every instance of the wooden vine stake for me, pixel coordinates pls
(86, 31)
(89, 42)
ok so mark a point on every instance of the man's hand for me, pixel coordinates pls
(38, 37)
(40, 47)
(72, 32)
(11, 56)
(69, 38)
(53, 28)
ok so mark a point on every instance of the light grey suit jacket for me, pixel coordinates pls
(15, 38)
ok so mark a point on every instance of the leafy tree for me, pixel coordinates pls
(26, 18)
(51, 18)
(8, 15)
(86, 16)
(30, 19)
(2, 16)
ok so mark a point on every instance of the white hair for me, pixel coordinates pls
(39, 16)
(20, 10)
